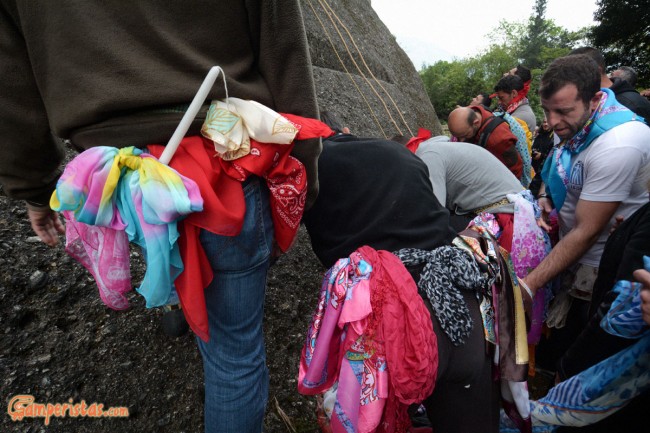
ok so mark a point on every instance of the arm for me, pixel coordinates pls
(591, 219)
(29, 156)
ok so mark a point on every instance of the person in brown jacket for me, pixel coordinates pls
(471, 124)
(116, 73)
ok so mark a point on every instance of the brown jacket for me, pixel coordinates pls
(501, 142)
(120, 73)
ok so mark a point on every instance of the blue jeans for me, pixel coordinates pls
(234, 360)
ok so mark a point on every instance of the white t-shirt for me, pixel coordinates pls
(615, 167)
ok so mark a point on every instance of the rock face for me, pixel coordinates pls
(59, 343)
(361, 73)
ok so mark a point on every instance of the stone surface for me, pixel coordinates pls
(362, 74)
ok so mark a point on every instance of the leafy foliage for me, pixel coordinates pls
(534, 43)
(623, 35)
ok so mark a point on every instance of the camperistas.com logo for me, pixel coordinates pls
(24, 406)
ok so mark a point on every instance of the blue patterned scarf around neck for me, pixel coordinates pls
(557, 168)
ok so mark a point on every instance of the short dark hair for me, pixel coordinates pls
(509, 83)
(523, 72)
(579, 70)
(471, 117)
(593, 54)
(628, 74)
(486, 100)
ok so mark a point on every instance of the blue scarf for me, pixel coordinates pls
(557, 168)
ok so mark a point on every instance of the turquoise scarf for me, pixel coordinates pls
(557, 168)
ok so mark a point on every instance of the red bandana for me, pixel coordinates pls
(224, 207)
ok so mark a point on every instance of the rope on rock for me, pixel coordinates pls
(331, 13)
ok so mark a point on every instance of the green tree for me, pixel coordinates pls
(534, 41)
(623, 35)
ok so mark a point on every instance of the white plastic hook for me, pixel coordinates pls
(191, 113)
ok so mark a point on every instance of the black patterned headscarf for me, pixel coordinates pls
(447, 270)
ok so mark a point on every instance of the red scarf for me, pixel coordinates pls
(519, 99)
(224, 207)
(414, 143)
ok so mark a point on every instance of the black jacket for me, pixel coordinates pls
(626, 95)
(373, 192)
(623, 254)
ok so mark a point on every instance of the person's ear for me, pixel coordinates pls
(593, 104)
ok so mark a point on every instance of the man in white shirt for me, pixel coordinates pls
(600, 169)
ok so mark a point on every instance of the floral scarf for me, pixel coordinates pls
(557, 169)
(372, 341)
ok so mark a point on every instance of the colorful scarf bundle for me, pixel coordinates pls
(624, 318)
(606, 387)
(107, 192)
(508, 302)
(522, 146)
(556, 172)
(220, 184)
(125, 189)
(373, 335)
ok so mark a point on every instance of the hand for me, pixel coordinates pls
(643, 276)
(546, 205)
(46, 224)
(618, 219)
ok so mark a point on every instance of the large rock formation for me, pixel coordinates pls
(361, 73)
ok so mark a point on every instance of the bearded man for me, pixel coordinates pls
(599, 170)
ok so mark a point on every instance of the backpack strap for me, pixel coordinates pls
(493, 122)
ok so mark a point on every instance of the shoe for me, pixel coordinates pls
(173, 321)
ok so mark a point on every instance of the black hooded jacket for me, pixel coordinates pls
(626, 95)
(373, 192)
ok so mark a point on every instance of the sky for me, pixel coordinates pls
(430, 30)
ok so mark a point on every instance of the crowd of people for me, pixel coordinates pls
(458, 265)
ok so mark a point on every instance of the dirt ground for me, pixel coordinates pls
(59, 342)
